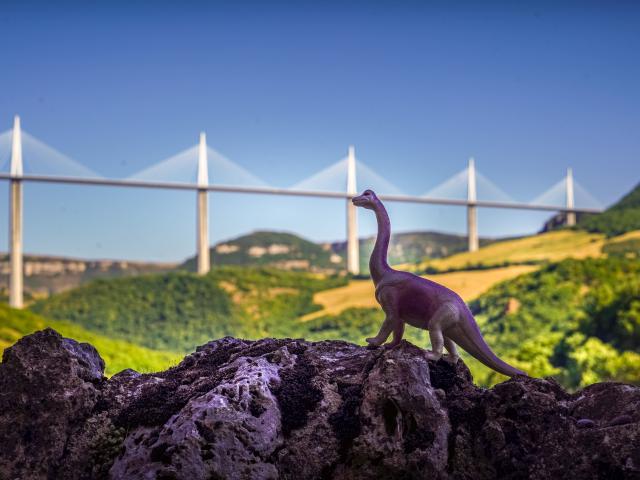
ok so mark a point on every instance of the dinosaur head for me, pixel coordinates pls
(368, 200)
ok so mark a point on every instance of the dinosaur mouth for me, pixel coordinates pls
(358, 201)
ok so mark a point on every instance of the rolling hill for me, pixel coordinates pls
(622, 217)
(178, 311)
(545, 247)
(276, 249)
(542, 248)
(117, 354)
(578, 320)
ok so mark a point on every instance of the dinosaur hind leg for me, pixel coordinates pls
(437, 343)
(453, 351)
(443, 319)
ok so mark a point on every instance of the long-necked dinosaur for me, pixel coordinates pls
(422, 303)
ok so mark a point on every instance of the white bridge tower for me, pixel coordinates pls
(472, 214)
(571, 215)
(353, 250)
(202, 231)
(15, 219)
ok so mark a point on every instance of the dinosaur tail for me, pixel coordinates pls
(467, 334)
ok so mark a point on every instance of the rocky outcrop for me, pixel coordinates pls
(49, 386)
(293, 409)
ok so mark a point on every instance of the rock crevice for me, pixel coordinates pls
(291, 409)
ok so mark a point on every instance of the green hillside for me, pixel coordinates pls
(546, 247)
(578, 320)
(622, 217)
(117, 354)
(179, 311)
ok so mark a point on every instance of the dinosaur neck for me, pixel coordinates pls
(378, 262)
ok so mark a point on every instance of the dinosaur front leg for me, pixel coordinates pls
(383, 334)
(392, 322)
(398, 332)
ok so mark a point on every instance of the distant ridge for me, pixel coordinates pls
(292, 252)
(47, 274)
(277, 249)
(621, 217)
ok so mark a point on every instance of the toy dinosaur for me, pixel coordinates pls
(422, 303)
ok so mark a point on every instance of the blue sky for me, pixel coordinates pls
(283, 89)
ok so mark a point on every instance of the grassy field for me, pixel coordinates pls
(117, 354)
(552, 247)
(624, 238)
(360, 293)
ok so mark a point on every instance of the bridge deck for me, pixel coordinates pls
(284, 191)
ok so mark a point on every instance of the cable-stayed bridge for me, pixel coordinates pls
(24, 158)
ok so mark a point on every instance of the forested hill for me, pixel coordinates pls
(180, 310)
(278, 249)
(576, 320)
(622, 217)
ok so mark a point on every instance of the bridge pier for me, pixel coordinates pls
(202, 208)
(353, 250)
(16, 298)
(472, 214)
(571, 215)
(15, 245)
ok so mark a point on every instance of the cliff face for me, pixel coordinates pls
(45, 275)
(294, 409)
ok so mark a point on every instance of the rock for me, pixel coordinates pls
(291, 409)
(620, 420)
(49, 386)
(585, 423)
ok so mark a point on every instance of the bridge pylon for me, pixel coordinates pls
(16, 287)
(472, 214)
(570, 201)
(353, 250)
(202, 209)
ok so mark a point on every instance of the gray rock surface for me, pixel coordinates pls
(292, 409)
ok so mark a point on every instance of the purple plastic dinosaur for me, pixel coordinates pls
(422, 303)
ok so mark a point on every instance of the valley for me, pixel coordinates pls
(564, 303)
